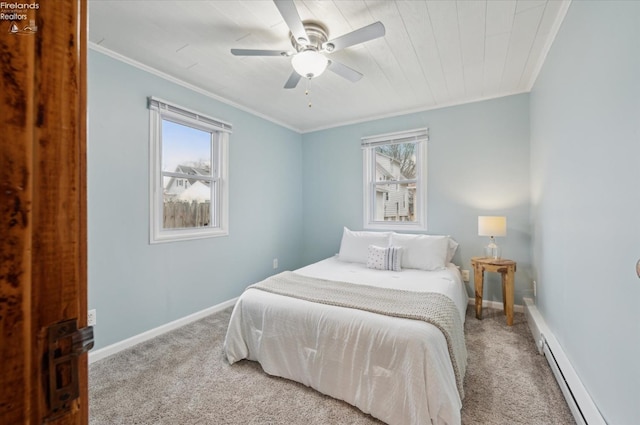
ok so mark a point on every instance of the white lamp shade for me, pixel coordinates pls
(492, 225)
(309, 63)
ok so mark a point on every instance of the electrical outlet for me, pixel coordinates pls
(465, 275)
(91, 317)
(534, 288)
(275, 263)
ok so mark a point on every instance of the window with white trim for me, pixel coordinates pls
(395, 180)
(189, 174)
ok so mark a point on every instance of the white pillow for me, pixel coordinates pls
(451, 251)
(354, 247)
(380, 258)
(424, 252)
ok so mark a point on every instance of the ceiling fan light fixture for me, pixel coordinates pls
(309, 63)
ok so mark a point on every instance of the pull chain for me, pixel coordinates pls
(306, 92)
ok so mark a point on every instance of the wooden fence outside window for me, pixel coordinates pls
(180, 215)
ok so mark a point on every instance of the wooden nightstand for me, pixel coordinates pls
(507, 269)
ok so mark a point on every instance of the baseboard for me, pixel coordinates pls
(517, 308)
(109, 350)
(578, 399)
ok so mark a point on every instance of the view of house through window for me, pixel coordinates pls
(395, 180)
(189, 174)
(395, 186)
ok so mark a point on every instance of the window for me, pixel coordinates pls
(395, 180)
(189, 174)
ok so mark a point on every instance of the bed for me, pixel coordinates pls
(397, 369)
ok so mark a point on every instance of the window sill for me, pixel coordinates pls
(186, 235)
(394, 226)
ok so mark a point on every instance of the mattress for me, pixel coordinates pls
(398, 370)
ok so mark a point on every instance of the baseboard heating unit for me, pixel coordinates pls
(578, 399)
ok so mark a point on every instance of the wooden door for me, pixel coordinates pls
(43, 251)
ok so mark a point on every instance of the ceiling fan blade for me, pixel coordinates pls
(255, 52)
(361, 35)
(344, 71)
(293, 80)
(290, 15)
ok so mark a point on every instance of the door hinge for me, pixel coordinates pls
(66, 344)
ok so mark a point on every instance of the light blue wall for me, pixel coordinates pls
(136, 286)
(478, 164)
(585, 148)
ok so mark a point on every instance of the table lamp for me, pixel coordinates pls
(492, 226)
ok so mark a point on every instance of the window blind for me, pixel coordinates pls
(163, 106)
(409, 136)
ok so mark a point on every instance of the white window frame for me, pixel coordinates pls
(420, 137)
(160, 110)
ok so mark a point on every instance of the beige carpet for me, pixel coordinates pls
(183, 378)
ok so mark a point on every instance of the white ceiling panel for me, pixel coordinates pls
(525, 28)
(423, 42)
(434, 53)
(472, 18)
(445, 23)
(471, 15)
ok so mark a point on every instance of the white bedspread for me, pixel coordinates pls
(397, 370)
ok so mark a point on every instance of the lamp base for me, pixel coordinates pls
(492, 250)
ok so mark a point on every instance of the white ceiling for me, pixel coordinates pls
(434, 54)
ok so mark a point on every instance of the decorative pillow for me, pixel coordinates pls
(380, 258)
(354, 246)
(424, 252)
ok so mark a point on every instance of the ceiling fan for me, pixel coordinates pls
(310, 41)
